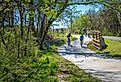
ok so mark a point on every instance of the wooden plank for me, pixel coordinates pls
(96, 47)
(97, 41)
(98, 44)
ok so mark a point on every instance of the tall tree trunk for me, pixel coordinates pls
(31, 22)
(45, 26)
(21, 12)
(21, 25)
(9, 19)
(38, 22)
(45, 31)
(25, 20)
(12, 17)
(42, 31)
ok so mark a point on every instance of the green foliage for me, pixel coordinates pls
(107, 32)
(107, 19)
(7, 0)
(36, 66)
(69, 15)
(15, 46)
(20, 57)
(45, 68)
(28, 69)
(80, 23)
(31, 14)
(16, 66)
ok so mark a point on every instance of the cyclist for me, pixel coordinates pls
(69, 39)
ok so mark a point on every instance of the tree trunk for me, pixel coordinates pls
(42, 31)
(38, 22)
(21, 25)
(46, 28)
(25, 19)
(9, 19)
(12, 15)
(31, 22)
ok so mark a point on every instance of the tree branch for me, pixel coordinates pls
(84, 3)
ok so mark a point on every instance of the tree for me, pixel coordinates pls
(48, 10)
(68, 16)
(80, 23)
(106, 20)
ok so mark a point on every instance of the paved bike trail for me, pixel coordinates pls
(105, 68)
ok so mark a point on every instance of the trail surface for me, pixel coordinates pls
(112, 37)
(105, 68)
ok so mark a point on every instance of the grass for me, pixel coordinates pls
(113, 49)
(71, 73)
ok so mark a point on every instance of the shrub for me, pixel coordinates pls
(21, 60)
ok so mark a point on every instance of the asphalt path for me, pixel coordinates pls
(112, 38)
(105, 68)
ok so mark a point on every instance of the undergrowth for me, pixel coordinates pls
(22, 61)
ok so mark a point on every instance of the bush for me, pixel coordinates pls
(21, 60)
(106, 32)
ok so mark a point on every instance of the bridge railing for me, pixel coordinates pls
(96, 39)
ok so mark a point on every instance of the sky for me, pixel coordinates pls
(83, 8)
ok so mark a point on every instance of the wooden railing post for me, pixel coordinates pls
(96, 39)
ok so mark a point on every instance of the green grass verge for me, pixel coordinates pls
(71, 73)
(113, 49)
